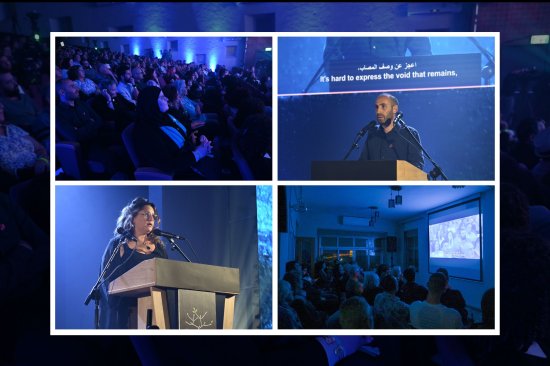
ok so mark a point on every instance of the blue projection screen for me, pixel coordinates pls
(455, 239)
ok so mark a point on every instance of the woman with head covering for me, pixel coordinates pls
(163, 142)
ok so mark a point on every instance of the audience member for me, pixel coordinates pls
(164, 143)
(432, 314)
(389, 311)
(21, 110)
(86, 86)
(453, 298)
(126, 86)
(287, 316)
(371, 287)
(355, 313)
(21, 156)
(411, 291)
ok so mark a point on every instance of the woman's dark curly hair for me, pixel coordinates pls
(126, 218)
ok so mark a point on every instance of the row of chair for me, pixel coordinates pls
(69, 156)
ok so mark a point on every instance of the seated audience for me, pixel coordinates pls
(20, 109)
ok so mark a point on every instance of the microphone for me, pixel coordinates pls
(364, 130)
(398, 118)
(126, 234)
(159, 232)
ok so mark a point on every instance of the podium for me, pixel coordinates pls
(196, 285)
(366, 170)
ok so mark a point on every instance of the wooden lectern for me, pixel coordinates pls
(196, 284)
(366, 170)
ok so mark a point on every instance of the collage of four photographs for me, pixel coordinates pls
(274, 183)
(188, 109)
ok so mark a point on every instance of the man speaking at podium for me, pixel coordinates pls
(389, 140)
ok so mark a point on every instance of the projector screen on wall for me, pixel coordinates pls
(455, 239)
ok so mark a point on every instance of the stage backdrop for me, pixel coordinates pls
(456, 127)
(220, 223)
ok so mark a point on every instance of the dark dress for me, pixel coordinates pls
(155, 148)
(115, 310)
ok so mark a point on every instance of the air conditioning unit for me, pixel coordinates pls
(356, 221)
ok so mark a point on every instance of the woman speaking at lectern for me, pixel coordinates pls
(133, 242)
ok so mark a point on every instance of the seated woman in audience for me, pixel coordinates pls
(192, 106)
(21, 156)
(164, 143)
(87, 87)
(389, 311)
(355, 313)
(151, 77)
(175, 107)
(371, 288)
(288, 318)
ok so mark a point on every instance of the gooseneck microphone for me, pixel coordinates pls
(360, 134)
(126, 233)
(364, 130)
(159, 232)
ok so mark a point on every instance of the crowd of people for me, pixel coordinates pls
(24, 189)
(182, 119)
(343, 296)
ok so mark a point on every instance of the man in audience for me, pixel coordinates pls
(21, 110)
(126, 86)
(411, 291)
(75, 121)
(453, 298)
(382, 270)
(431, 314)
(138, 76)
(104, 73)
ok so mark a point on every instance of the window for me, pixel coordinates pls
(349, 247)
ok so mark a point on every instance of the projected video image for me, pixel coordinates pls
(459, 238)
